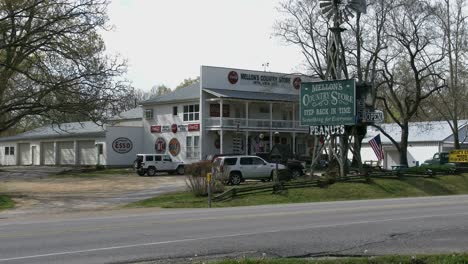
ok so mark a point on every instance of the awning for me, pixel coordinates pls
(253, 96)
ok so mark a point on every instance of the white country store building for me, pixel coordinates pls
(228, 111)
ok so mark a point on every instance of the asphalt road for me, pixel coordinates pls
(373, 227)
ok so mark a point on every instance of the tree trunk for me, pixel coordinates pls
(456, 138)
(404, 144)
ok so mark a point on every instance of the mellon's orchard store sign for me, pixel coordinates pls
(328, 103)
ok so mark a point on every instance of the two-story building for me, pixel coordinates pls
(228, 111)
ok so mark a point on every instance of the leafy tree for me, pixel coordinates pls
(53, 63)
(187, 82)
(159, 90)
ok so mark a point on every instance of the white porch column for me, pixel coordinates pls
(271, 115)
(246, 142)
(246, 113)
(221, 132)
(294, 143)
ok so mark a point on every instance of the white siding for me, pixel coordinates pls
(113, 158)
(66, 152)
(24, 151)
(163, 117)
(87, 154)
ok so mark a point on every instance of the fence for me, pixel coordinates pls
(281, 186)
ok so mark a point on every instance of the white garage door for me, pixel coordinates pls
(66, 151)
(48, 157)
(87, 153)
(25, 154)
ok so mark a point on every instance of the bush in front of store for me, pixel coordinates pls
(197, 182)
(6, 202)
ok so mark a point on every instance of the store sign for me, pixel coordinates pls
(160, 145)
(193, 127)
(175, 128)
(328, 103)
(174, 147)
(266, 79)
(459, 155)
(122, 145)
(155, 129)
(373, 117)
(214, 110)
(326, 130)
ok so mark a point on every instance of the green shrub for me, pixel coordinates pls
(197, 182)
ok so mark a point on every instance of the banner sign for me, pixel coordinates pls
(460, 155)
(328, 103)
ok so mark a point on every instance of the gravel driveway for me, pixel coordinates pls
(45, 190)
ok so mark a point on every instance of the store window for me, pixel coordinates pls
(191, 112)
(148, 113)
(9, 151)
(193, 147)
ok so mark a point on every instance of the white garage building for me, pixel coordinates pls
(84, 143)
(425, 139)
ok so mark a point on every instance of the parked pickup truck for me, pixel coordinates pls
(457, 158)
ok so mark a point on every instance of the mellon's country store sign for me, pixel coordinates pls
(328, 103)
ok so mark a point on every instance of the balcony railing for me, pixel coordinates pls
(252, 123)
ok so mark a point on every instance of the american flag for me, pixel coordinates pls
(376, 145)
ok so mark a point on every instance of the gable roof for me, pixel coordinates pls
(433, 131)
(135, 113)
(76, 129)
(191, 92)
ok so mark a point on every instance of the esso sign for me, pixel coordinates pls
(122, 145)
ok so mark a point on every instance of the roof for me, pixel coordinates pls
(190, 92)
(433, 131)
(462, 133)
(77, 129)
(247, 95)
(135, 113)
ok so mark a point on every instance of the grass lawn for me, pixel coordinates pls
(379, 188)
(93, 173)
(423, 259)
(6, 202)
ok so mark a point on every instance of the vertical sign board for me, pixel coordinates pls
(328, 103)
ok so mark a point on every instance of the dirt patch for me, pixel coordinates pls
(54, 193)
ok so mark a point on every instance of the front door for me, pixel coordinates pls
(260, 169)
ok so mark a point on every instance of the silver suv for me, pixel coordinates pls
(236, 169)
(152, 163)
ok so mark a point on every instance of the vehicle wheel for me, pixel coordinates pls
(235, 178)
(295, 173)
(141, 172)
(151, 171)
(180, 170)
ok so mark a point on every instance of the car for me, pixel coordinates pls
(236, 169)
(151, 163)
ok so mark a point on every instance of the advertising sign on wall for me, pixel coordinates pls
(160, 145)
(328, 103)
(174, 147)
(174, 128)
(122, 145)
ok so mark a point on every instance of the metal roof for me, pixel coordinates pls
(190, 92)
(246, 95)
(135, 113)
(434, 131)
(77, 129)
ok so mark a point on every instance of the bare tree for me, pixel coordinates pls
(410, 67)
(53, 62)
(451, 103)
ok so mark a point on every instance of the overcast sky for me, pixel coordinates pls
(166, 41)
